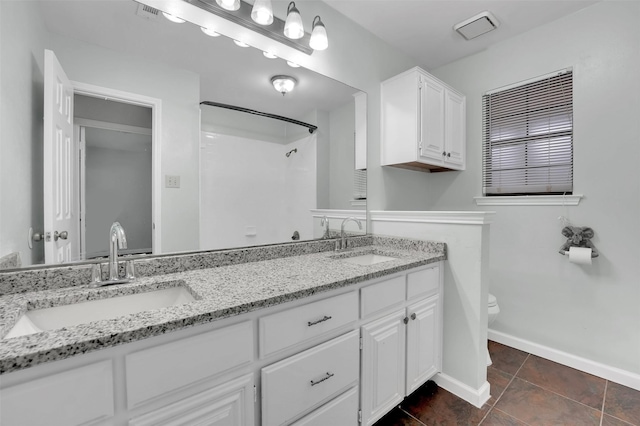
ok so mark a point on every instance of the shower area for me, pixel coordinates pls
(258, 180)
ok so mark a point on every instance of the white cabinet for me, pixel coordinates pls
(401, 350)
(77, 396)
(228, 404)
(423, 123)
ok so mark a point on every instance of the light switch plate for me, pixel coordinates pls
(171, 181)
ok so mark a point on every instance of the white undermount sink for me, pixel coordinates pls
(368, 259)
(56, 317)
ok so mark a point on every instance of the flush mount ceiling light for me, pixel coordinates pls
(229, 4)
(283, 83)
(476, 26)
(262, 13)
(319, 40)
(173, 18)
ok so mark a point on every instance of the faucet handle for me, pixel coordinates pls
(96, 273)
(130, 270)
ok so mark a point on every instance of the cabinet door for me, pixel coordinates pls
(229, 404)
(455, 137)
(432, 123)
(383, 365)
(423, 342)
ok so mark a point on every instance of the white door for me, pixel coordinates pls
(61, 222)
(383, 366)
(423, 342)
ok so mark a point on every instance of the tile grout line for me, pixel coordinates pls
(505, 389)
(411, 415)
(604, 398)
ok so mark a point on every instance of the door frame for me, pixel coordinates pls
(156, 143)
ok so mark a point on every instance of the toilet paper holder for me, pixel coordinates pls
(578, 236)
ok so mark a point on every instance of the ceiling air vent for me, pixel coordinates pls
(476, 26)
(147, 12)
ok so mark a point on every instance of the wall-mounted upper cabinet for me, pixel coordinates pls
(423, 123)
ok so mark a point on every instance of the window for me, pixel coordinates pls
(528, 137)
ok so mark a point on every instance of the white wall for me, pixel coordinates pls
(342, 156)
(590, 312)
(22, 38)
(248, 183)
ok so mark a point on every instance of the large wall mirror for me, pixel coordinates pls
(179, 176)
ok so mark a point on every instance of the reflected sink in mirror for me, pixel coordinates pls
(56, 317)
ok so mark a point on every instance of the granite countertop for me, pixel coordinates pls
(220, 292)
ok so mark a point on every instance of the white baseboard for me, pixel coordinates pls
(617, 375)
(476, 397)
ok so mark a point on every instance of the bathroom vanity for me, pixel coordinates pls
(290, 334)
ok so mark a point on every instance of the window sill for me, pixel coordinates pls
(530, 200)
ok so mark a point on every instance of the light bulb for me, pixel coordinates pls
(293, 27)
(262, 13)
(209, 32)
(240, 43)
(319, 40)
(173, 18)
(269, 55)
(293, 64)
(229, 4)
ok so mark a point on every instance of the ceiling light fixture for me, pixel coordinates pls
(293, 27)
(229, 4)
(293, 64)
(209, 32)
(255, 17)
(262, 13)
(319, 40)
(283, 83)
(173, 18)
(476, 26)
(240, 43)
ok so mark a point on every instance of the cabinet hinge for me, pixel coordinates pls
(255, 393)
(361, 343)
(359, 416)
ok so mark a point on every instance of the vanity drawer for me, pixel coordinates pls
(298, 383)
(342, 411)
(284, 329)
(423, 283)
(159, 370)
(381, 296)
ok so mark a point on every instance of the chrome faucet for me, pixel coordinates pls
(117, 239)
(343, 237)
(324, 221)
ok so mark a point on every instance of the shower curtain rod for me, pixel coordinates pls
(311, 127)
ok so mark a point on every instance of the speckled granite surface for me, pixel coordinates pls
(259, 277)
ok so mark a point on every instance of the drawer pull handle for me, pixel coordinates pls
(323, 319)
(327, 377)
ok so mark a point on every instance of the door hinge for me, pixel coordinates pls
(359, 416)
(255, 393)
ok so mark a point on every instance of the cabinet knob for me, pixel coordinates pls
(444, 153)
(448, 154)
(405, 320)
(413, 316)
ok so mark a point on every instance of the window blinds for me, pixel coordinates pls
(528, 137)
(360, 184)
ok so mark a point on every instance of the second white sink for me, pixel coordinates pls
(368, 259)
(84, 312)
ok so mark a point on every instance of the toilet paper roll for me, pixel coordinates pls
(580, 255)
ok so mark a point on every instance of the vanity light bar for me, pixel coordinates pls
(242, 17)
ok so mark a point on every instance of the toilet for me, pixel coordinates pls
(494, 310)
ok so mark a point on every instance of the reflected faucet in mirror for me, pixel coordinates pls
(324, 221)
(117, 240)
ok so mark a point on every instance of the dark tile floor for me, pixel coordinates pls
(525, 390)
